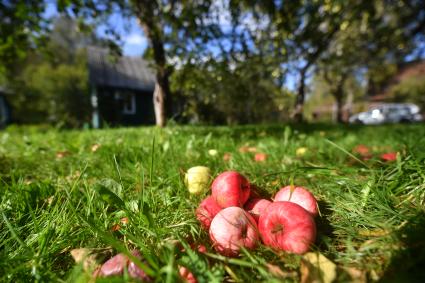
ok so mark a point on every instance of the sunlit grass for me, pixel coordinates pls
(60, 192)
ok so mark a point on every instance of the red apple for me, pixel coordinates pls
(114, 265)
(206, 211)
(389, 156)
(298, 195)
(117, 264)
(186, 275)
(287, 226)
(230, 188)
(231, 229)
(256, 206)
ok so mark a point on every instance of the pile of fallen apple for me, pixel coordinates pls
(236, 217)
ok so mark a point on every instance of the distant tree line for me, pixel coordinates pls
(228, 60)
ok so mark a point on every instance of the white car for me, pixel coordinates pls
(388, 113)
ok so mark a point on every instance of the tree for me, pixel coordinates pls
(21, 30)
(60, 92)
(372, 36)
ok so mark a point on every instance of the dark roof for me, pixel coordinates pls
(120, 72)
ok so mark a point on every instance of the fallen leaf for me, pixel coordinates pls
(115, 227)
(373, 232)
(86, 257)
(301, 151)
(389, 156)
(62, 154)
(227, 156)
(252, 149)
(355, 275)
(278, 272)
(316, 268)
(95, 147)
(243, 149)
(50, 200)
(124, 220)
(260, 157)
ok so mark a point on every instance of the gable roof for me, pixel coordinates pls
(125, 72)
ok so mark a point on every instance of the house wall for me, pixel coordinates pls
(111, 109)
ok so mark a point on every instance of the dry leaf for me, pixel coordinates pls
(316, 268)
(355, 275)
(227, 156)
(278, 272)
(252, 149)
(373, 232)
(124, 220)
(243, 149)
(62, 154)
(95, 147)
(115, 227)
(86, 257)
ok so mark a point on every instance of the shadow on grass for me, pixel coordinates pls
(325, 231)
(408, 264)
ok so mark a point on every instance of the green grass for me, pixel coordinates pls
(58, 195)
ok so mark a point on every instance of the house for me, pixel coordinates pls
(5, 109)
(121, 89)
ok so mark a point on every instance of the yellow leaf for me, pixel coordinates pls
(316, 268)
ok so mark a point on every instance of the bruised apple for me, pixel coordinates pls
(230, 188)
(287, 226)
(300, 196)
(256, 206)
(206, 211)
(231, 229)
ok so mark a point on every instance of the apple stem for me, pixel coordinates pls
(278, 228)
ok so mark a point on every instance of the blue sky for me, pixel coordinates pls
(134, 43)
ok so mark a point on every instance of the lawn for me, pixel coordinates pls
(114, 190)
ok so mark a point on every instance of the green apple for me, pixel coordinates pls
(197, 179)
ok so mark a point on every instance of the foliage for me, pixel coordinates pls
(21, 29)
(411, 89)
(371, 219)
(53, 93)
(240, 93)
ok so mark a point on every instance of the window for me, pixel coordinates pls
(127, 102)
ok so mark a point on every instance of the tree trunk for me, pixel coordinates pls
(339, 108)
(339, 95)
(158, 105)
(298, 115)
(153, 30)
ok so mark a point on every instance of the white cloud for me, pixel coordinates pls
(135, 39)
